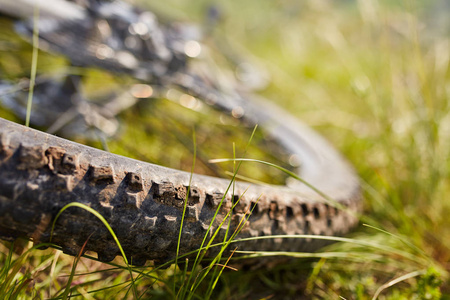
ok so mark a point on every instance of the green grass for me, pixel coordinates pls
(373, 77)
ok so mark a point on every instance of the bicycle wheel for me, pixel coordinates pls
(144, 203)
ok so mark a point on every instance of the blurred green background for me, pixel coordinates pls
(371, 76)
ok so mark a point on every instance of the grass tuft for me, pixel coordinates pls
(371, 76)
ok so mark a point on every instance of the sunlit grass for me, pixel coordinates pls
(372, 77)
(34, 61)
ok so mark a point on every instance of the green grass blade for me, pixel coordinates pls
(214, 276)
(185, 203)
(225, 243)
(200, 253)
(5, 270)
(102, 219)
(364, 243)
(33, 63)
(327, 198)
(12, 269)
(21, 285)
(68, 288)
(95, 291)
(239, 227)
(403, 240)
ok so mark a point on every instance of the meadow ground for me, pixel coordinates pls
(373, 78)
